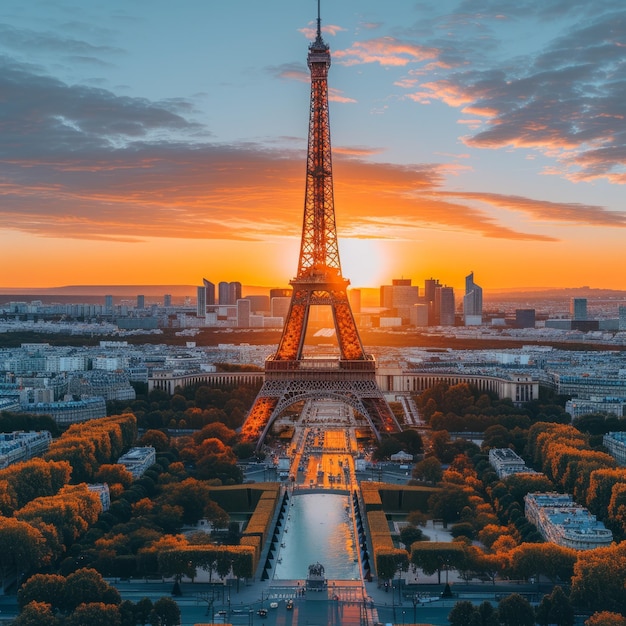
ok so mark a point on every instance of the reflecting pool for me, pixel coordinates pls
(317, 528)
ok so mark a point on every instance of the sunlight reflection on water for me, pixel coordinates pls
(317, 528)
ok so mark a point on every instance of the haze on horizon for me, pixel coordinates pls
(153, 143)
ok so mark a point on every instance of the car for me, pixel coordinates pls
(273, 605)
(262, 612)
(289, 605)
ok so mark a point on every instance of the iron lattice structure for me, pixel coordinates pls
(289, 376)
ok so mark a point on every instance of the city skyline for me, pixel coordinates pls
(153, 143)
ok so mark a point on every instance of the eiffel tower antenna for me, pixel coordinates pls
(319, 21)
(289, 375)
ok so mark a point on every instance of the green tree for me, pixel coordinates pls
(448, 503)
(165, 613)
(514, 610)
(433, 556)
(409, 534)
(464, 613)
(143, 608)
(86, 586)
(555, 609)
(428, 470)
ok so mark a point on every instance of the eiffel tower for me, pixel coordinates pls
(289, 375)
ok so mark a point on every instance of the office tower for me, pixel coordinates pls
(259, 303)
(108, 303)
(223, 293)
(234, 292)
(399, 297)
(209, 288)
(141, 302)
(201, 302)
(419, 315)
(524, 318)
(430, 287)
(167, 300)
(279, 306)
(621, 313)
(444, 306)
(243, 313)
(578, 309)
(472, 302)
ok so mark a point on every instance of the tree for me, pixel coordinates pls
(165, 613)
(428, 470)
(555, 609)
(598, 581)
(36, 614)
(143, 608)
(22, 548)
(514, 610)
(42, 588)
(464, 613)
(434, 556)
(95, 614)
(448, 503)
(86, 586)
(488, 615)
(606, 618)
(409, 534)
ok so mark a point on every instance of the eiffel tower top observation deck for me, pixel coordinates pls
(290, 376)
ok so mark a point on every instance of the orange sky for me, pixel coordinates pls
(166, 146)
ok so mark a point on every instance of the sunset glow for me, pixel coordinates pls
(160, 144)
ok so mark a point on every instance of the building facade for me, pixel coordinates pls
(563, 522)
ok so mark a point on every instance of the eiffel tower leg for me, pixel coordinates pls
(258, 418)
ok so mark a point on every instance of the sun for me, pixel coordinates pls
(363, 262)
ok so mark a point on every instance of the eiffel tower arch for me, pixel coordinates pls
(290, 374)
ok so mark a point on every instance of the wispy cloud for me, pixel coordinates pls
(565, 101)
(384, 51)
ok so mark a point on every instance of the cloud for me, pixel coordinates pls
(384, 50)
(310, 32)
(80, 162)
(572, 213)
(565, 101)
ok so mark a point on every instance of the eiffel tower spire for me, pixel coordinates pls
(289, 376)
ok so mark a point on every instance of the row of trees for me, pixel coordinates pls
(194, 406)
(84, 597)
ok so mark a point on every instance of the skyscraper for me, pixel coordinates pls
(524, 318)
(141, 302)
(223, 293)
(399, 297)
(234, 292)
(578, 309)
(167, 300)
(210, 291)
(472, 302)
(430, 287)
(201, 302)
(444, 305)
